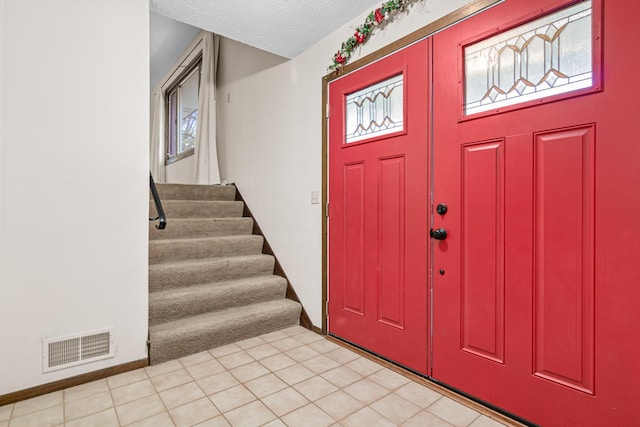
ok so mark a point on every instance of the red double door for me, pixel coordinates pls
(530, 301)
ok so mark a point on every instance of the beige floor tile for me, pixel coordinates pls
(320, 364)
(395, 408)
(265, 385)
(126, 378)
(366, 417)
(287, 343)
(87, 406)
(205, 369)
(273, 336)
(37, 404)
(225, 350)
(163, 419)
(4, 423)
(302, 353)
(106, 418)
(341, 355)
(418, 394)
(249, 343)
(341, 376)
(295, 330)
(315, 388)
(366, 391)
(308, 416)
(180, 395)
(163, 368)
(193, 413)
(339, 404)
(236, 359)
(48, 417)
(364, 367)
(252, 414)
(294, 374)
(232, 398)
(309, 337)
(324, 346)
(196, 359)
(131, 392)
(85, 390)
(249, 372)
(217, 382)
(275, 423)
(171, 379)
(139, 409)
(277, 362)
(484, 421)
(388, 379)
(453, 412)
(426, 419)
(5, 412)
(262, 351)
(219, 421)
(285, 401)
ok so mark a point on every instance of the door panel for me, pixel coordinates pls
(534, 310)
(482, 250)
(378, 190)
(564, 256)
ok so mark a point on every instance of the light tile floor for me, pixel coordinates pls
(292, 377)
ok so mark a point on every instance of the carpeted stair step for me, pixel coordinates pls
(201, 227)
(176, 209)
(192, 334)
(172, 250)
(196, 192)
(185, 273)
(174, 304)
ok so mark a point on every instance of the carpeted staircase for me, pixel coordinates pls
(209, 283)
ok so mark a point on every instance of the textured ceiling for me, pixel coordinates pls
(283, 27)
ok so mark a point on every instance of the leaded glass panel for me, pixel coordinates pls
(375, 110)
(548, 56)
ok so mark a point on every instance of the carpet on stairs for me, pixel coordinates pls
(209, 282)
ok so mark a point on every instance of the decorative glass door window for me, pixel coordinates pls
(375, 110)
(549, 56)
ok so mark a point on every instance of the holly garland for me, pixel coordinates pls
(376, 18)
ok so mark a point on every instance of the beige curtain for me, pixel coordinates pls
(156, 146)
(206, 155)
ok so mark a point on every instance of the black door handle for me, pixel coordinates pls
(438, 233)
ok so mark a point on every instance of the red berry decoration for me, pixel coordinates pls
(339, 58)
(379, 15)
(359, 37)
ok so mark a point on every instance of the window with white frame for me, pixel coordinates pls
(182, 113)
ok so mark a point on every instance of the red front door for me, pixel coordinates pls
(378, 217)
(536, 286)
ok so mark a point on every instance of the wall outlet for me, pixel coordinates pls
(315, 197)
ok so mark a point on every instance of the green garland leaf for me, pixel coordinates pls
(387, 11)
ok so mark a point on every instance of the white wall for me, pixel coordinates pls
(74, 180)
(167, 40)
(182, 171)
(270, 145)
(236, 61)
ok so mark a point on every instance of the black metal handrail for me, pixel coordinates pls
(156, 199)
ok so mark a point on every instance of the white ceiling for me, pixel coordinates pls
(283, 27)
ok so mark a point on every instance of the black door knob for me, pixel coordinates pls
(438, 233)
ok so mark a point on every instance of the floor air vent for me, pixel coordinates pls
(64, 352)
